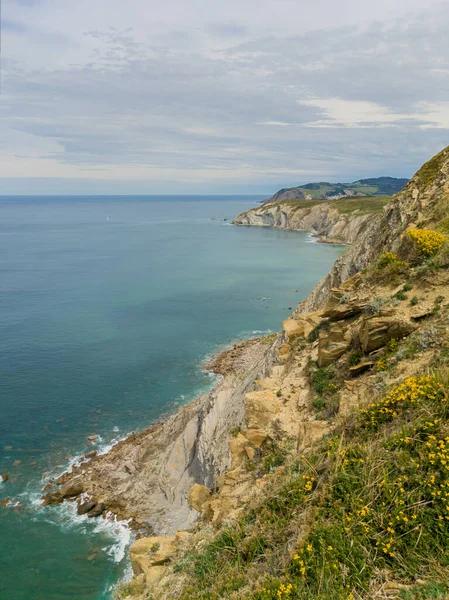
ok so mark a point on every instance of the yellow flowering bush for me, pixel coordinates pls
(427, 241)
(387, 258)
(362, 502)
(412, 391)
(388, 266)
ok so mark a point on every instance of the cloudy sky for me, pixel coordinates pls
(207, 96)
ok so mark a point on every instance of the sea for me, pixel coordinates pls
(109, 306)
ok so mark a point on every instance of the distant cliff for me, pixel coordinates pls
(323, 190)
(339, 221)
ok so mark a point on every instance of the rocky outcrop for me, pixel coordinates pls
(332, 344)
(198, 495)
(147, 477)
(324, 220)
(418, 201)
(377, 332)
(302, 325)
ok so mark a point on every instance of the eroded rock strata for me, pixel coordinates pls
(203, 467)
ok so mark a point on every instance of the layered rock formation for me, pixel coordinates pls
(323, 219)
(218, 454)
(148, 476)
(419, 202)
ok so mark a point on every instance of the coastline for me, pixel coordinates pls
(145, 478)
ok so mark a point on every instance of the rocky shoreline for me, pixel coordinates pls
(146, 478)
(181, 480)
(324, 221)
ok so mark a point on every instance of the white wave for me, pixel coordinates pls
(311, 239)
(117, 534)
(261, 331)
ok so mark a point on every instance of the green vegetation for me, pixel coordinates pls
(428, 172)
(401, 295)
(322, 381)
(355, 358)
(376, 186)
(365, 205)
(369, 505)
(388, 268)
(123, 589)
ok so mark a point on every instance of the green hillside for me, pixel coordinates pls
(378, 186)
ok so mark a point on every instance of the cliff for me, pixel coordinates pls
(147, 477)
(328, 221)
(318, 467)
(422, 201)
(375, 186)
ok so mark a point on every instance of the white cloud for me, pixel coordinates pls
(356, 113)
(206, 93)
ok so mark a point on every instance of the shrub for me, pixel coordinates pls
(388, 258)
(401, 295)
(322, 381)
(414, 301)
(407, 287)
(381, 364)
(354, 358)
(124, 589)
(388, 267)
(427, 241)
(376, 305)
(318, 404)
(411, 392)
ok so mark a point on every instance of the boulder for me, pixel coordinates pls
(261, 408)
(344, 311)
(5, 477)
(4, 502)
(154, 575)
(52, 499)
(198, 495)
(97, 510)
(284, 353)
(237, 445)
(150, 552)
(310, 432)
(332, 344)
(301, 325)
(376, 332)
(73, 487)
(360, 368)
(85, 507)
(256, 437)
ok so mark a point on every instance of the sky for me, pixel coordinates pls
(208, 97)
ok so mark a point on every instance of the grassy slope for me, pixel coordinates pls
(369, 187)
(363, 205)
(369, 505)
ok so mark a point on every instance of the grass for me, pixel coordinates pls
(365, 205)
(369, 505)
(430, 170)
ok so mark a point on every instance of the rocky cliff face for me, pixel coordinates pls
(420, 201)
(147, 477)
(198, 465)
(366, 337)
(324, 220)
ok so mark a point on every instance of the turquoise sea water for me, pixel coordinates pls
(108, 306)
